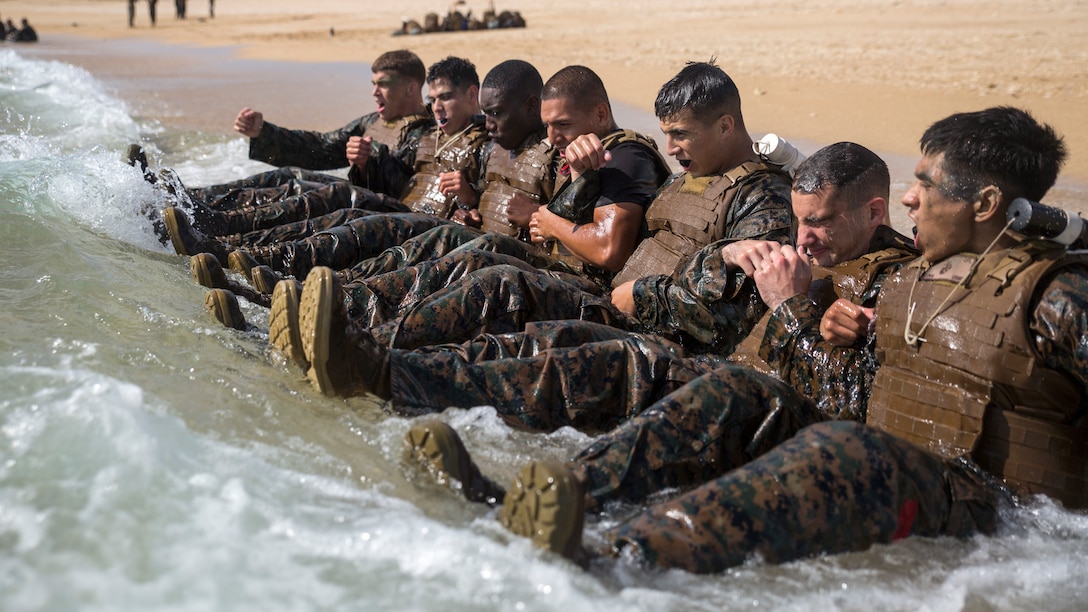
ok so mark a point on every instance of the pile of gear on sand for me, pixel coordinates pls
(456, 21)
(12, 33)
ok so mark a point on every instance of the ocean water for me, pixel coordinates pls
(152, 459)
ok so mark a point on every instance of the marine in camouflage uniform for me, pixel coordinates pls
(454, 146)
(594, 377)
(745, 200)
(527, 168)
(980, 390)
(394, 132)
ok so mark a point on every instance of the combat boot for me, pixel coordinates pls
(545, 504)
(188, 240)
(343, 360)
(242, 262)
(283, 329)
(224, 307)
(437, 447)
(208, 272)
(265, 279)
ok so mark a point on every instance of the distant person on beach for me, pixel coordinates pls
(131, 13)
(211, 9)
(179, 9)
(151, 10)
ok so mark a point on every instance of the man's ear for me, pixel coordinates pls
(878, 211)
(726, 123)
(988, 204)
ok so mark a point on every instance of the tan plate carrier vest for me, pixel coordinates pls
(975, 385)
(682, 223)
(528, 173)
(392, 135)
(437, 153)
(849, 280)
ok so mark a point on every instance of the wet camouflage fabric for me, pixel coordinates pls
(387, 170)
(834, 487)
(289, 232)
(850, 485)
(260, 188)
(453, 299)
(697, 306)
(344, 245)
(592, 386)
(515, 295)
(310, 204)
(445, 241)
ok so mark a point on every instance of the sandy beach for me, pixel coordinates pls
(817, 70)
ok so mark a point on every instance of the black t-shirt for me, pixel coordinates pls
(632, 175)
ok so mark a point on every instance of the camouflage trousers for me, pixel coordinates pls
(587, 375)
(342, 246)
(262, 188)
(449, 239)
(298, 230)
(301, 207)
(767, 478)
(457, 297)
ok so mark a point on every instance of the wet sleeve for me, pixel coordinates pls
(1060, 323)
(707, 303)
(390, 171)
(837, 379)
(303, 148)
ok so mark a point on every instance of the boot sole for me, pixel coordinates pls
(264, 279)
(315, 318)
(203, 274)
(218, 302)
(283, 322)
(432, 444)
(545, 504)
(237, 261)
(170, 218)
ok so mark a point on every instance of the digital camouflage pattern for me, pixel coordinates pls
(684, 306)
(588, 376)
(388, 169)
(834, 487)
(261, 188)
(850, 485)
(341, 246)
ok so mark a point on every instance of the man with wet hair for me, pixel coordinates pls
(980, 396)
(680, 286)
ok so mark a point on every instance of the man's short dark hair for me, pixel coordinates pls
(402, 62)
(576, 83)
(517, 78)
(1002, 146)
(856, 173)
(459, 73)
(702, 89)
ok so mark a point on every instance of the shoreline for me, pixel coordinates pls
(811, 70)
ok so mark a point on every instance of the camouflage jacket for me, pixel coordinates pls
(838, 379)
(704, 306)
(387, 171)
